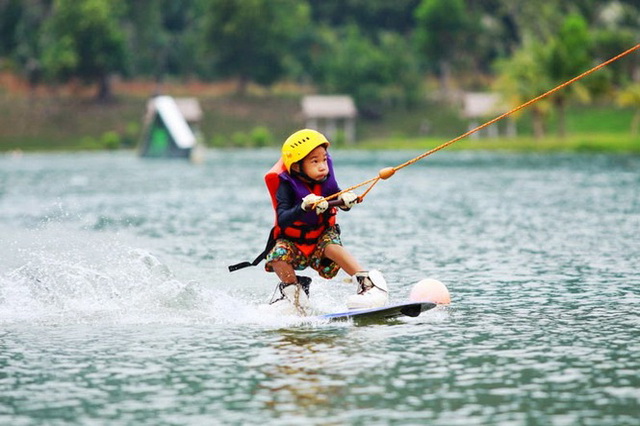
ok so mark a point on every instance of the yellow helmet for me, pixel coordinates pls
(300, 144)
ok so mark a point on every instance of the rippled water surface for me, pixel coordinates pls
(116, 306)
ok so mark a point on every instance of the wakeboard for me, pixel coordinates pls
(410, 309)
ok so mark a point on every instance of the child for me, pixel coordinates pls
(310, 237)
(305, 236)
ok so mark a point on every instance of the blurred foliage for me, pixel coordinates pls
(630, 97)
(261, 137)
(83, 39)
(111, 140)
(251, 38)
(443, 28)
(521, 77)
(567, 56)
(375, 74)
(369, 15)
(381, 52)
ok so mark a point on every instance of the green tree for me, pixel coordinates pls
(21, 22)
(84, 40)
(165, 36)
(538, 19)
(10, 14)
(375, 74)
(146, 37)
(607, 43)
(442, 27)
(251, 38)
(521, 78)
(568, 55)
(370, 16)
(616, 30)
(630, 97)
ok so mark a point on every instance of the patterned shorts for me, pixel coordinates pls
(287, 251)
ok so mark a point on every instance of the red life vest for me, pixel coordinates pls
(304, 233)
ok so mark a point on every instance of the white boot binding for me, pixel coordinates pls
(370, 279)
(372, 291)
(292, 293)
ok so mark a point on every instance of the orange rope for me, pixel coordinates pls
(389, 171)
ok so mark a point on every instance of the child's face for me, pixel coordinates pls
(315, 164)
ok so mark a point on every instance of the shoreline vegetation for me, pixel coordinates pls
(69, 119)
(591, 142)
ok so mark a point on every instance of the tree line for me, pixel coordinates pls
(378, 51)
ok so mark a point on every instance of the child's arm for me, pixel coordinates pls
(289, 207)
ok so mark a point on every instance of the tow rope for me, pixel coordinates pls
(387, 172)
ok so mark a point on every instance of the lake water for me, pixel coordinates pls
(116, 306)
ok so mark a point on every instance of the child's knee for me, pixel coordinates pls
(332, 250)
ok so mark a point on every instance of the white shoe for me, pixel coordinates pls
(293, 298)
(372, 291)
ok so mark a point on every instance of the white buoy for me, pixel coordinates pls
(430, 290)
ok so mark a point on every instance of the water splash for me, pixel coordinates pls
(128, 286)
(125, 285)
